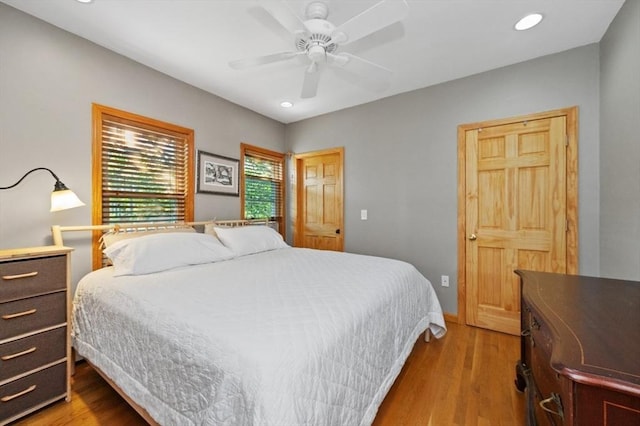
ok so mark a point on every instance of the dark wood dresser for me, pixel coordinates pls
(580, 361)
(35, 351)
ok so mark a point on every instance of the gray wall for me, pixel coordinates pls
(620, 145)
(401, 164)
(48, 81)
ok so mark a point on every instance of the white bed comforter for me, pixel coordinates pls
(285, 337)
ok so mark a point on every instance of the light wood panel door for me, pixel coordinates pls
(319, 194)
(517, 214)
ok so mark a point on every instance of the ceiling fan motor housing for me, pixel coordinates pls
(318, 42)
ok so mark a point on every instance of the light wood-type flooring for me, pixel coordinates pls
(465, 378)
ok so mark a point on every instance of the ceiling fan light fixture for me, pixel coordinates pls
(317, 53)
(528, 22)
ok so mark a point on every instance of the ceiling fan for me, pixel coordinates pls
(318, 40)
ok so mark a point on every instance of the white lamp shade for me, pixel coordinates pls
(64, 199)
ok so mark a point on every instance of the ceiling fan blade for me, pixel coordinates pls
(241, 64)
(311, 80)
(375, 18)
(375, 76)
(282, 13)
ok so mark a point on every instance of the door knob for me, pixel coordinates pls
(337, 231)
(473, 237)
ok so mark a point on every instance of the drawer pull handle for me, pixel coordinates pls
(556, 399)
(17, 277)
(18, 354)
(535, 325)
(19, 314)
(19, 394)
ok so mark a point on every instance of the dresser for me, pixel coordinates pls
(580, 350)
(35, 350)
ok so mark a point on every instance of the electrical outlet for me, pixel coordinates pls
(444, 280)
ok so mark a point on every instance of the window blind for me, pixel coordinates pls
(144, 174)
(263, 185)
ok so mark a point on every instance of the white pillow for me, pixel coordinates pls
(113, 237)
(243, 240)
(159, 252)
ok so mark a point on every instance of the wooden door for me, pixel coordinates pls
(319, 193)
(517, 213)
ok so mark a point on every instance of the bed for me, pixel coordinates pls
(265, 334)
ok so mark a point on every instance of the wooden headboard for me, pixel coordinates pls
(57, 230)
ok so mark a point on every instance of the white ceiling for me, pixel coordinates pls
(440, 40)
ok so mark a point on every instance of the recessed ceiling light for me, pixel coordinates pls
(528, 21)
(84, 1)
(286, 104)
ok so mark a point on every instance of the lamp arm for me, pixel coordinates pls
(28, 173)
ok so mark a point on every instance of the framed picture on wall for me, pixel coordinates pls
(217, 174)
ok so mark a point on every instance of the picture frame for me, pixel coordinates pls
(217, 174)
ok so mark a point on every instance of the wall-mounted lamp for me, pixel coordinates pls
(62, 198)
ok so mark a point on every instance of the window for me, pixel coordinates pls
(262, 191)
(142, 170)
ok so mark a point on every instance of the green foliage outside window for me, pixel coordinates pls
(263, 182)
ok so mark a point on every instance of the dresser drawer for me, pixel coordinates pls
(28, 392)
(548, 389)
(30, 277)
(606, 407)
(28, 315)
(23, 355)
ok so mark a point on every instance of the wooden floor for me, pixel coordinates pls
(465, 378)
